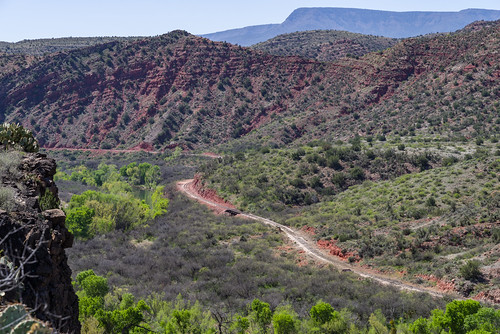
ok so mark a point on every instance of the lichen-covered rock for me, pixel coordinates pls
(35, 270)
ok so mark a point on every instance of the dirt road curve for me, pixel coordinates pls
(303, 242)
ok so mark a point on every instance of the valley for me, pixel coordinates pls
(320, 181)
(303, 242)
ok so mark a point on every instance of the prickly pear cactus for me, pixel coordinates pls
(30, 326)
(12, 135)
(11, 316)
(15, 319)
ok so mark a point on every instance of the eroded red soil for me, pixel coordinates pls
(442, 285)
(198, 189)
(333, 249)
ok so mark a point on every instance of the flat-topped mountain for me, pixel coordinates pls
(364, 21)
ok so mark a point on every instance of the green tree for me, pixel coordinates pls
(486, 319)
(121, 210)
(88, 306)
(79, 220)
(131, 171)
(420, 326)
(378, 323)
(322, 312)
(122, 321)
(180, 322)
(456, 312)
(95, 286)
(159, 204)
(127, 301)
(337, 325)
(240, 325)
(105, 173)
(143, 171)
(261, 313)
(283, 323)
(83, 275)
(152, 176)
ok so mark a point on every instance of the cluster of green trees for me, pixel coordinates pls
(95, 212)
(133, 174)
(106, 311)
(141, 174)
(114, 205)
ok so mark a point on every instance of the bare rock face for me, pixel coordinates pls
(33, 266)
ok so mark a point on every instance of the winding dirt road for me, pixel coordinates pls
(306, 244)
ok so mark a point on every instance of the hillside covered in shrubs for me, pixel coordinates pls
(178, 89)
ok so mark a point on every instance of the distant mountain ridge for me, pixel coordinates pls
(364, 21)
(179, 89)
(43, 46)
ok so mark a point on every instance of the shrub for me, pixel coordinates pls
(6, 198)
(316, 182)
(448, 161)
(9, 163)
(48, 201)
(339, 179)
(422, 161)
(298, 183)
(431, 201)
(495, 233)
(334, 162)
(357, 173)
(297, 155)
(470, 271)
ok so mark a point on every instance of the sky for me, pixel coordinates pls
(32, 19)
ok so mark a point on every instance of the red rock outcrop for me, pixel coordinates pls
(442, 285)
(492, 296)
(209, 194)
(335, 250)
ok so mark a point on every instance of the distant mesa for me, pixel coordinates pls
(364, 21)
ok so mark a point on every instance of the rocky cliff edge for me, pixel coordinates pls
(33, 236)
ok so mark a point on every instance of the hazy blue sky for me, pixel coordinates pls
(29, 19)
